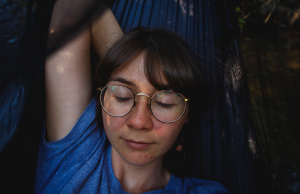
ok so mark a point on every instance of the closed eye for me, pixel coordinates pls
(123, 99)
(166, 106)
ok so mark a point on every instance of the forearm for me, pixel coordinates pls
(68, 80)
(105, 30)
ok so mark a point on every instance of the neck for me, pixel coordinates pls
(139, 179)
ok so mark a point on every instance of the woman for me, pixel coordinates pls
(149, 89)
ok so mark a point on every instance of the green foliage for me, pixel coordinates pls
(241, 21)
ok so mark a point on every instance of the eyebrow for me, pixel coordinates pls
(122, 80)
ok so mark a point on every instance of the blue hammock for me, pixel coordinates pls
(226, 141)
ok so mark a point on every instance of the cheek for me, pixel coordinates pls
(159, 128)
(168, 129)
(112, 124)
(167, 132)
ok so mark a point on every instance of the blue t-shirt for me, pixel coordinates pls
(81, 163)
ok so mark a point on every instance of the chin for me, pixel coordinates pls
(138, 157)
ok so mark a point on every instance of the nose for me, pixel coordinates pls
(140, 117)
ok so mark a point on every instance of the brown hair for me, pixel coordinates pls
(167, 55)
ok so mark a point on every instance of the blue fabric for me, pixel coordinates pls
(81, 163)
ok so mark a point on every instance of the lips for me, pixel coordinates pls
(137, 145)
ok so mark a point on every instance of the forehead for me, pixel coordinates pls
(134, 72)
(131, 71)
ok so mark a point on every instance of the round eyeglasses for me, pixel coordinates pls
(166, 106)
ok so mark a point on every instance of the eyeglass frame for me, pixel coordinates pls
(143, 94)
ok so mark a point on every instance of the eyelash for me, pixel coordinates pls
(164, 105)
(122, 99)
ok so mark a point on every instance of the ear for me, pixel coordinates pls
(179, 148)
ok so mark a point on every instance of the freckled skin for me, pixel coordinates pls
(140, 125)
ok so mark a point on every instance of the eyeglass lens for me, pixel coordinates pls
(166, 106)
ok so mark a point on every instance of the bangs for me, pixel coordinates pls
(169, 64)
(166, 58)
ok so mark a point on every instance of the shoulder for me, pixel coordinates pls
(85, 131)
(194, 185)
(73, 159)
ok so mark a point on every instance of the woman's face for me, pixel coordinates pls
(138, 137)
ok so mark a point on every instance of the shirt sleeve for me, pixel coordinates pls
(58, 162)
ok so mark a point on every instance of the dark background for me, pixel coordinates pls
(270, 44)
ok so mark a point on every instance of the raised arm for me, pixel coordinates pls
(68, 78)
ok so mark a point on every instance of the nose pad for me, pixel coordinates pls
(142, 94)
(140, 116)
(138, 96)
